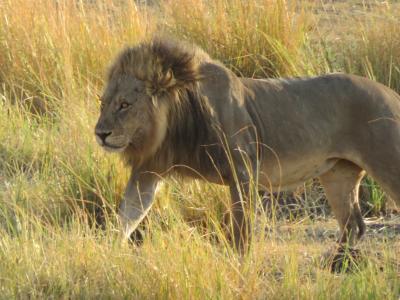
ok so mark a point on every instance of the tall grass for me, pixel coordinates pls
(56, 186)
(368, 46)
(254, 38)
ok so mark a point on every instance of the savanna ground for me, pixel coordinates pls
(59, 191)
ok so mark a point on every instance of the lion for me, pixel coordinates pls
(169, 108)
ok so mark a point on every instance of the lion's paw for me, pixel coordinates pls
(342, 259)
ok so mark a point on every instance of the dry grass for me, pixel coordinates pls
(53, 55)
(254, 38)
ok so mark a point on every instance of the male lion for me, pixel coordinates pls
(170, 107)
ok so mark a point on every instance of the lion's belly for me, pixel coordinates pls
(290, 175)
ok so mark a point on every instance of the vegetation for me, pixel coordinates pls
(58, 189)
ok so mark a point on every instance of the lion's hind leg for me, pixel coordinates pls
(341, 185)
(386, 171)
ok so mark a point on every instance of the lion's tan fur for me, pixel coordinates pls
(199, 119)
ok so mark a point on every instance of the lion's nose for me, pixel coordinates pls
(103, 135)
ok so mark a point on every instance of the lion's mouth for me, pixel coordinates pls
(113, 148)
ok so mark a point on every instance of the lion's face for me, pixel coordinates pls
(126, 115)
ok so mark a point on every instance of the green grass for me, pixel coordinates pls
(56, 185)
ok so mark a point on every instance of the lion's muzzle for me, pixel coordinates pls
(101, 137)
(109, 142)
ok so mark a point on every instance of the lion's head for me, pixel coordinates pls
(134, 105)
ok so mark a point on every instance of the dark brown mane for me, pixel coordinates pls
(190, 129)
(164, 65)
(171, 71)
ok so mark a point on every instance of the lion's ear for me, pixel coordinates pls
(170, 81)
(175, 65)
(169, 77)
(166, 82)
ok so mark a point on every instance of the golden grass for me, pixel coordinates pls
(53, 55)
(255, 38)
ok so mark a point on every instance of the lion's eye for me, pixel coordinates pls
(124, 105)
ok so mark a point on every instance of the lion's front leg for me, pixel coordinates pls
(137, 201)
(240, 227)
(243, 197)
(243, 187)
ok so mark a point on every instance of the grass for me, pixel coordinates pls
(57, 186)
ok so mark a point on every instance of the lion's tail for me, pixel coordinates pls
(360, 223)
